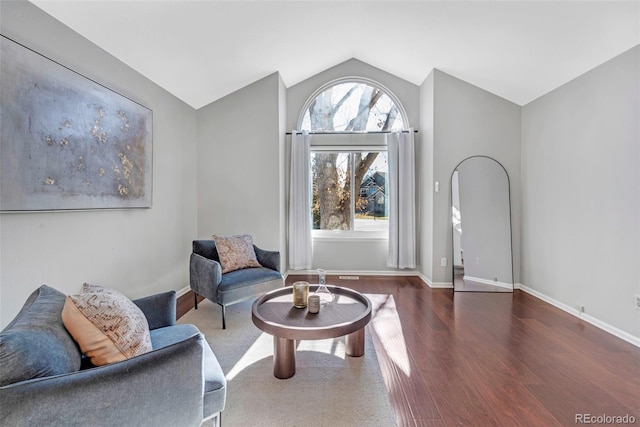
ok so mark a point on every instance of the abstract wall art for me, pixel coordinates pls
(67, 142)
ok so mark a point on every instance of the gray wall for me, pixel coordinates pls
(469, 121)
(282, 171)
(239, 161)
(138, 251)
(351, 255)
(581, 191)
(424, 173)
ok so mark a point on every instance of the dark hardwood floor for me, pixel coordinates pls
(481, 359)
(185, 303)
(490, 359)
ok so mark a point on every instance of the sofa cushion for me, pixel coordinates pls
(36, 344)
(236, 252)
(247, 277)
(107, 326)
(239, 285)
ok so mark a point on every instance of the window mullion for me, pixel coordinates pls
(352, 185)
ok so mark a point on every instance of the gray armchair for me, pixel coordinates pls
(44, 380)
(206, 278)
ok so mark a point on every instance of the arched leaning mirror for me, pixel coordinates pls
(481, 215)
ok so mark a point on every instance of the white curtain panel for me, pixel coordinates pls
(402, 205)
(300, 249)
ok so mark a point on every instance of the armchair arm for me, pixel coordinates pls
(162, 387)
(204, 276)
(269, 259)
(160, 309)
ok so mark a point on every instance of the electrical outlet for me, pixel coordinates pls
(580, 308)
(637, 301)
(443, 262)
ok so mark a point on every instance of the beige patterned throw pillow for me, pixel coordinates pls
(236, 252)
(107, 326)
(88, 288)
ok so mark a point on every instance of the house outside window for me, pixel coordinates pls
(349, 119)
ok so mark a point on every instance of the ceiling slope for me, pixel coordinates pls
(201, 51)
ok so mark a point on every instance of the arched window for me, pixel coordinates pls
(349, 174)
(352, 105)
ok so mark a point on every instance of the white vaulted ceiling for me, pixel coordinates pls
(203, 50)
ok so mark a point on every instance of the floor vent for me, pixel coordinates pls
(349, 277)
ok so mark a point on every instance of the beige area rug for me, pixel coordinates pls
(328, 389)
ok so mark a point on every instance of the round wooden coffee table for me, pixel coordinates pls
(275, 314)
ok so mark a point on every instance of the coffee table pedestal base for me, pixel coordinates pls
(354, 343)
(347, 317)
(284, 358)
(284, 353)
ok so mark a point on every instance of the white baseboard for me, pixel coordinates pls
(182, 291)
(357, 273)
(435, 285)
(397, 273)
(442, 285)
(587, 318)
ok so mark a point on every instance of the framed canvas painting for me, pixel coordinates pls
(67, 142)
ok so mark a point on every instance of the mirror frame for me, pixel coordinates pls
(451, 223)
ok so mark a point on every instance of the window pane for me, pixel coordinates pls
(335, 176)
(331, 180)
(371, 209)
(352, 107)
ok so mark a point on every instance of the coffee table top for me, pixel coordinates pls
(275, 314)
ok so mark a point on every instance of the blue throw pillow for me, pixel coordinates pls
(36, 344)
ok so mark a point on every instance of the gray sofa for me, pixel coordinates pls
(206, 277)
(44, 380)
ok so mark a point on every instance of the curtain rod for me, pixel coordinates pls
(352, 133)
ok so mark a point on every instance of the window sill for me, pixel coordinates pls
(351, 236)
